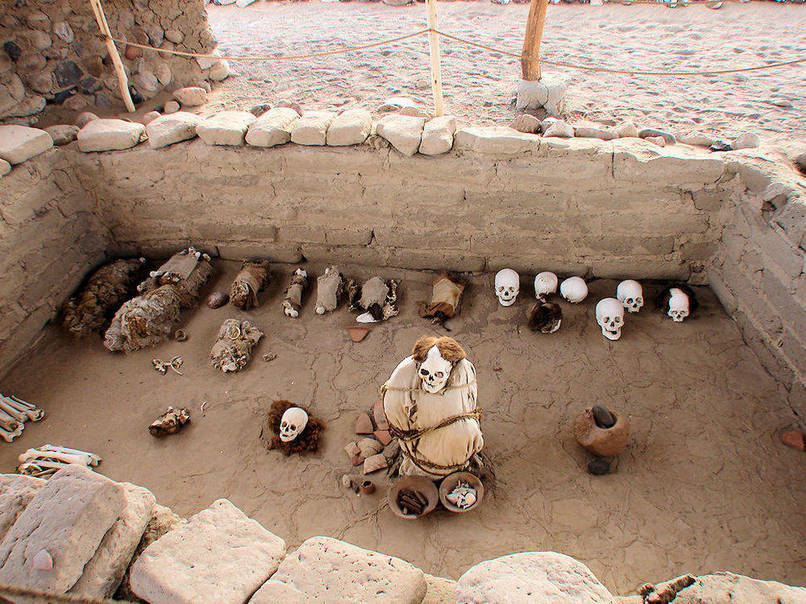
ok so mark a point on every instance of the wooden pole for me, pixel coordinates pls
(436, 69)
(123, 82)
(530, 57)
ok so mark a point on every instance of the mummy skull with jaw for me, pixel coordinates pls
(507, 286)
(678, 305)
(610, 317)
(434, 371)
(292, 423)
(631, 295)
(545, 285)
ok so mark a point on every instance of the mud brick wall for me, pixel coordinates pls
(49, 241)
(50, 52)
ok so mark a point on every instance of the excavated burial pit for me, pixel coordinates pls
(705, 484)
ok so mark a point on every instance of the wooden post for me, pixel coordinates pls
(436, 69)
(123, 82)
(530, 57)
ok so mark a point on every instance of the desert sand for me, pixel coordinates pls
(480, 86)
(705, 484)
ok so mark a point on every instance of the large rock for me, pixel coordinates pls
(534, 576)
(191, 96)
(727, 588)
(20, 143)
(62, 134)
(225, 128)
(5, 167)
(547, 92)
(351, 127)
(169, 129)
(109, 135)
(495, 140)
(219, 556)
(16, 492)
(311, 128)
(104, 572)
(68, 517)
(404, 132)
(437, 137)
(272, 128)
(325, 569)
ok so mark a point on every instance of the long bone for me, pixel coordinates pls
(32, 467)
(32, 412)
(10, 435)
(22, 402)
(70, 458)
(12, 411)
(8, 422)
(96, 459)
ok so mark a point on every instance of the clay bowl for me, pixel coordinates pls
(449, 483)
(603, 442)
(416, 483)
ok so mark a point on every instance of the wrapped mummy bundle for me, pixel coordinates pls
(292, 298)
(378, 298)
(149, 318)
(253, 277)
(102, 294)
(445, 300)
(233, 347)
(329, 290)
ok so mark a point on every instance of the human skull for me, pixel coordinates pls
(434, 371)
(610, 317)
(292, 423)
(545, 284)
(678, 305)
(507, 286)
(631, 295)
(574, 289)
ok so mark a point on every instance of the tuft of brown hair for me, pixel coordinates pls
(306, 442)
(448, 347)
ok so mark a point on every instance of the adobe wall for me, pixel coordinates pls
(620, 209)
(51, 52)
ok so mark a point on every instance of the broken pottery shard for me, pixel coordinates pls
(352, 450)
(20, 143)
(534, 576)
(374, 463)
(16, 492)
(363, 425)
(104, 572)
(219, 555)
(357, 333)
(325, 569)
(379, 415)
(109, 135)
(368, 447)
(383, 436)
(69, 517)
(794, 439)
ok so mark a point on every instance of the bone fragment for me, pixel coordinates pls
(96, 459)
(35, 455)
(31, 412)
(12, 411)
(8, 422)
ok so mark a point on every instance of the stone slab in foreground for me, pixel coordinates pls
(109, 135)
(20, 143)
(532, 576)
(328, 570)
(16, 492)
(495, 140)
(727, 588)
(219, 556)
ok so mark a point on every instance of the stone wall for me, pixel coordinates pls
(52, 53)
(612, 209)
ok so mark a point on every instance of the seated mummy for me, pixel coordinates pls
(253, 277)
(445, 299)
(233, 347)
(378, 298)
(292, 298)
(430, 403)
(329, 290)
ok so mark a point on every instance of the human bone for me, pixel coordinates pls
(462, 496)
(574, 289)
(610, 317)
(292, 298)
(631, 295)
(434, 371)
(678, 305)
(293, 423)
(507, 286)
(545, 284)
(329, 290)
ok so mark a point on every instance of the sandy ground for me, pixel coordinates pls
(479, 86)
(706, 484)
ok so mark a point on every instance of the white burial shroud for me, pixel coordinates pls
(408, 407)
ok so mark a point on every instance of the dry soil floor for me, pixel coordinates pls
(705, 485)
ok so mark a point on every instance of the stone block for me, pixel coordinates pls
(639, 161)
(495, 140)
(169, 129)
(534, 576)
(437, 137)
(21, 143)
(311, 128)
(219, 556)
(62, 134)
(325, 569)
(16, 492)
(725, 587)
(191, 96)
(404, 132)
(69, 518)
(5, 167)
(272, 128)
(225, 128)
(351, 127)
(105, 570)
(547, 92)
(109, 135)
